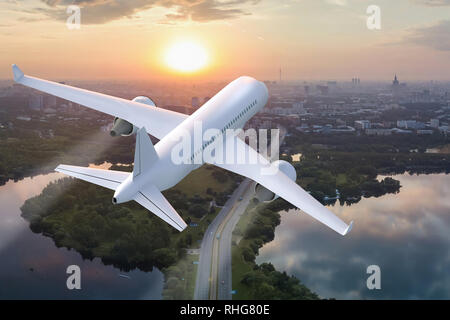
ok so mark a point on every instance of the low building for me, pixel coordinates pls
(400, 131)
(23, 118)
(378, 132)
(410, 124)
(444, 129)
(362, 124)
(434, 123)
(424, 132)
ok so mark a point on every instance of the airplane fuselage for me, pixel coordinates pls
(231, 108)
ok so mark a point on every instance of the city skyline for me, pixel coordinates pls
(308, 40)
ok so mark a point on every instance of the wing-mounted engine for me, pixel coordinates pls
(144, 100)
(124, 128)
(265, 195)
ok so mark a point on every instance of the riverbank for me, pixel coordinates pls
(350, 164)
(405, 234)
(250, 280)
(79, 215)
(32, 267)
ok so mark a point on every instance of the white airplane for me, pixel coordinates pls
(155, 171)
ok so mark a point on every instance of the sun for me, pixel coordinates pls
(186, 57)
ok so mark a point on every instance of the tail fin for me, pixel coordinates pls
(145, 154)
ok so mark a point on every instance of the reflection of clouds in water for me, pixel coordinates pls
(12, 196)
(406, 234)
(32, 267)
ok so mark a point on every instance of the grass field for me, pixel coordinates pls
(341, 179)
(198, 181)
(239, 266)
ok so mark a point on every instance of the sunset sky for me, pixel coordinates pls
(308, 39)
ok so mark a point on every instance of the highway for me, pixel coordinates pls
(210, 248)
(223, 277)
(214, 278)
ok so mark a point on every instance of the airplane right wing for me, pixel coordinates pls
(159, 122)
(266, 174)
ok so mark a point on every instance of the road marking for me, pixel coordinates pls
(213, 293)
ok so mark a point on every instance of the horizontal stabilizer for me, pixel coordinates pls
(152, 199)
(106, 178)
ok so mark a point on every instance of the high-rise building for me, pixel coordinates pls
(36, 101)
(395, 82)
(306, 90)
(323, 89)
(298, 107)
(395, 86)
(434, 123)
(356, 81)
(195, 102)
(50, 101)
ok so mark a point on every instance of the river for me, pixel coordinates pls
(406, 234)
(32, 267)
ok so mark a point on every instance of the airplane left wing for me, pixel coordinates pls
(159, 122)
(268, 175)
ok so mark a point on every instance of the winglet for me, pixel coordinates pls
(349, 228)
(18, 74)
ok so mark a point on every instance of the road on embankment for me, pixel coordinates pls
(206, 283)
(214, 278)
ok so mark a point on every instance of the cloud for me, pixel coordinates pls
(208, 10)
(30, 19)
(95, 11)
(436, 36)
(432, 3)
(341, 3)
(103, 11)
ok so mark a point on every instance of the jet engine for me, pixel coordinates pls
(265, 195)
(122, 127)
(144, 100)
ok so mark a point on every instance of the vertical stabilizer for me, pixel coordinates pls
(145, 154)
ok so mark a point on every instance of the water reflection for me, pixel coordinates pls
(407, 235)
(32, 267)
